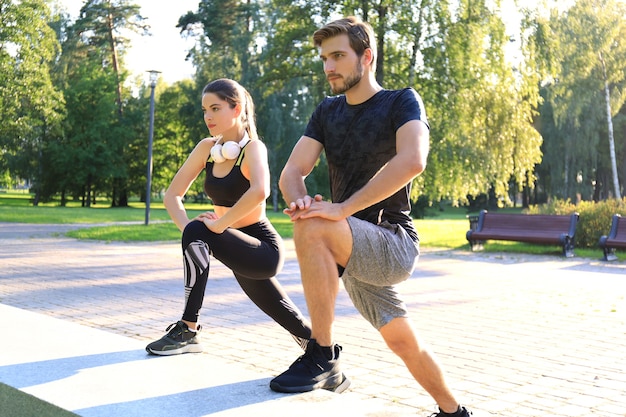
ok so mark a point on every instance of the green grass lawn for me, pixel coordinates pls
(16, 207)
(443, 227)
(15, 403)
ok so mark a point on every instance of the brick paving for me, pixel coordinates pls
(517, 335)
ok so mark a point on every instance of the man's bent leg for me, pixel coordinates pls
(402, 340)
(320, 246)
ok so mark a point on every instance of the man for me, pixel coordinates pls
(376, 142)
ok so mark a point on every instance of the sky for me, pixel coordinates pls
(166, 49)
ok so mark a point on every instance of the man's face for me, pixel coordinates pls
(343, 68)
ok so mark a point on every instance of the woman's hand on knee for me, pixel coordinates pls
(210, 220)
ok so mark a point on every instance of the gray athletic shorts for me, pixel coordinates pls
(382, 256)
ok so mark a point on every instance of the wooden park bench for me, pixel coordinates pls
(615, 239)
(547, 229)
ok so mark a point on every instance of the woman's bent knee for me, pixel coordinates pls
(195, 230)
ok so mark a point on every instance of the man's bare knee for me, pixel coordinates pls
(310, 235)
(315, 228)
(304, 226)
(400, 337)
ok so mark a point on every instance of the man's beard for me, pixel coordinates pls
(352, 80)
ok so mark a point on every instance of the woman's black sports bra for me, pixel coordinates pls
(226, 191)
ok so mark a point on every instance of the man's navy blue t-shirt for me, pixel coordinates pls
(359, 140)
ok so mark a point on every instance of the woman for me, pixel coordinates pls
(237, 232)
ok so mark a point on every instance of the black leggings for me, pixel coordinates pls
(255, 255)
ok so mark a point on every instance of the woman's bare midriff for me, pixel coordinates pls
(254, 216)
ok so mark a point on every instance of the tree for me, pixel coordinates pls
(480, 111)
(481, 107)
(100, 28)
(586, 87)
(90, 154)
(102, 24)
(226, 47)
(31, 108)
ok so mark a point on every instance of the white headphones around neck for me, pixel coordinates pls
(229, 150)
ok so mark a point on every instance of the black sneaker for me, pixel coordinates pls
(461, 412)
(312, 371)
(179, 339)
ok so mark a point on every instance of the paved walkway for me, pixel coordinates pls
(517, 335)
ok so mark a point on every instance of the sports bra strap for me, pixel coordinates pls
(240, 157)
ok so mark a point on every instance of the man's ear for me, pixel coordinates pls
(368, 56)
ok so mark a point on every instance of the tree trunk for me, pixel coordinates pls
(123, 193)
(609, 120)
(416, 46)
(116, 65)
(380, 59)
(275, 194)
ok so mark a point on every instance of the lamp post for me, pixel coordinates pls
(154, 75)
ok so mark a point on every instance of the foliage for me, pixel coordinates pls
(480, 115)
(31, 107)
(594, 218)
(100, 29)
(480, 112)
(581, 55)
(178, 126)
(92, 152)
(101, 26)
(482, 106)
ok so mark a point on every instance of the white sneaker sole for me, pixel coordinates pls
(192, 348)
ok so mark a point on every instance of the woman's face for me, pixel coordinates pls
(219, 117)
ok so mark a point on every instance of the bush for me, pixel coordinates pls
(594, 221)
(419, 207)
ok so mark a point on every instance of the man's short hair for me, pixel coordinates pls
(360, 34)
